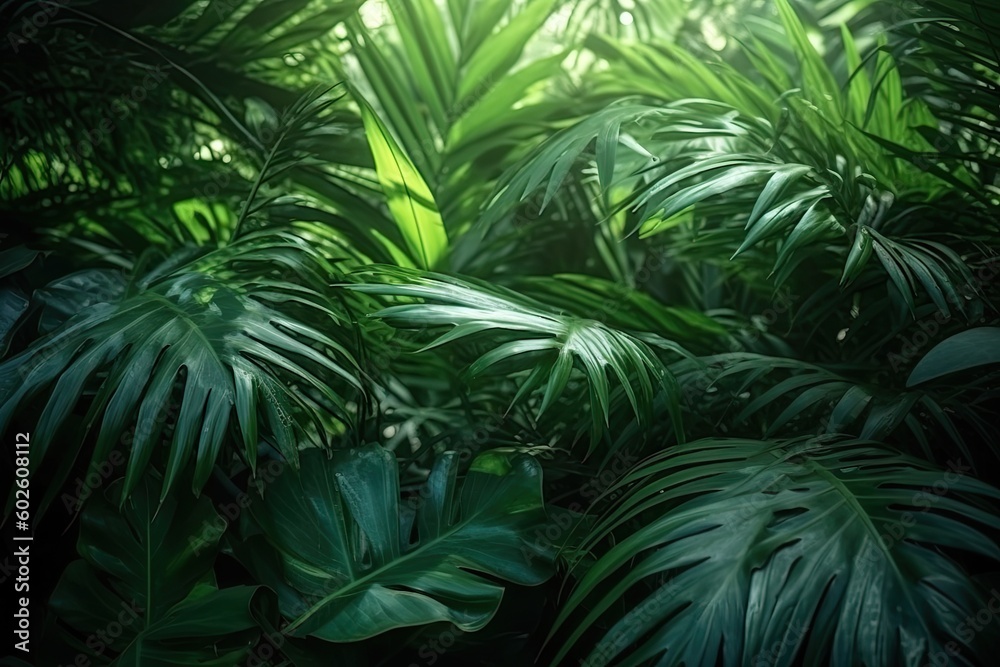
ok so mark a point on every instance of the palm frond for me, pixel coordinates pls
(537, 334)
(210, 343)
(797, 551)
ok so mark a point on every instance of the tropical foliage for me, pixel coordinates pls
(505, 332)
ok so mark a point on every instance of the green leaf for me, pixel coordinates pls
(147, 569)
(14, 259)
(67, 296)
(858, 256)
(801, 552)
(343, 559)
(498, 53)
(966, 350)
(13, 304)
(474, 307)
(191, 327)
(410, 200)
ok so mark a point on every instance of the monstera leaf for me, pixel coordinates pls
(765, 553)
(145, 594)
(350, 561)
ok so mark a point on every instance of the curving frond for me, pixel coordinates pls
(207, 349)
(787, 551)
(548, 342)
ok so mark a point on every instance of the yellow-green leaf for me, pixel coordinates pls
(410, 200)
